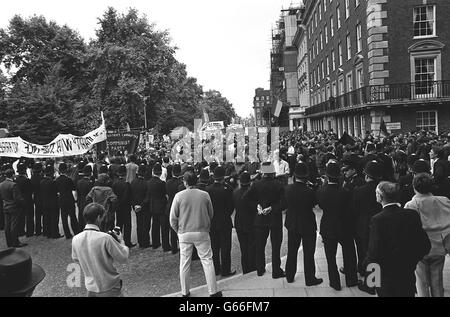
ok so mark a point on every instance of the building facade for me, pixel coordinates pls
(262, 106)
(378, 59)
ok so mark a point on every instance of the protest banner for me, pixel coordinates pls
(122, 142)
(62, 146)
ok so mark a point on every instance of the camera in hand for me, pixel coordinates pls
(115, 233)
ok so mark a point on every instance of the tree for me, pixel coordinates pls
(217, 107)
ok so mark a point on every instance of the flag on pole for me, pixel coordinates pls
(128, 127)
(205, 116)
(278, 109)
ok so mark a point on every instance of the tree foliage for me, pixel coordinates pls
(57, 83)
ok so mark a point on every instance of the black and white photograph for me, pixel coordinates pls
(222, 154)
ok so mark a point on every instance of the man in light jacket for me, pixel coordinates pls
(434, 213)
(190, 216)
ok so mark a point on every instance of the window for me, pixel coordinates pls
(333, 57)
(426, 120)
(316, 20)
(325, 6)
(341, 86)
(424, 21)
(320, 11)
(314, 77)
(338, 17)
(309, 56)
(323, 70)
(340, 54)
(331, 26)
(358, 38)
(349, 47)
(357, 3)
(347, 9)
(317, 47)
(334, 92)
(328, 66)
(359, 78)
(321, 41)
(326, 34)
(328, 93)
(349, 82)
(424, 75)
(318, 74)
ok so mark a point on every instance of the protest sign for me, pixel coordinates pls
(122, 142)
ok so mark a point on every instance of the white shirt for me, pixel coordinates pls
(281, 167)
(163, 176)
(96, 252)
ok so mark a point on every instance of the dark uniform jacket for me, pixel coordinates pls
(268, 193)
(173, 186)
(26, 189)
(84, 186)
(300, 217)
(36, 184)
(244, 219)
(222, 201)
(397, 242)
(11, 196)
(156, 195)
(49, 193)
(334, 201)
(138, 193)
(122, 190)
(65, 187)
(406, 188)
(365, 207)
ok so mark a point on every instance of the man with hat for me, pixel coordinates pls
(244, 223)
(84, 186)
(173, 186)
(204, 179)
(13, 203)
(406, 181)
(66, 187)
(138, 194)
(366, 206)
(221, 225)
(18, 275)
(333, 200)
(36, 179)
(122, 189)
(301, 225)
(49, 194)
(27, 212)
(157, 200)
(268, 194)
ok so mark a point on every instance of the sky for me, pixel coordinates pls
(224, 44)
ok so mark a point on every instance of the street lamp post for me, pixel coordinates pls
(145, 107)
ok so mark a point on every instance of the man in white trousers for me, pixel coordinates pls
(190, 216)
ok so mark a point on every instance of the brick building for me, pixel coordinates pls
(374, 59)
(262, 106)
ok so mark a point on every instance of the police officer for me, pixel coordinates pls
(65, 187)
(221, 226)
(268, 193)
(333, 200)
(27, 211)
(84, 186)
(244, 223)
(301, 225)
(138, 193)
(36, 179)
(173, 186)
(157, 200)
(122, 190)
(49, 194)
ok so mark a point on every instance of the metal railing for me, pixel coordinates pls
(379, 94)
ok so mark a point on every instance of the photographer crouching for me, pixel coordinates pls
(96, 252)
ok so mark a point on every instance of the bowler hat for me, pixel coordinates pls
(18, 274)
(219, 173)
(122, 171)
(62, 168)
(103, 179)
(157, 169)
(176, 170)
(204, 176)
(103, 169)
(301, 170)
(22, 168)
(373, 170)
(142, 170)
(333, 170)
(87, 170)
(421, 166)
(37, 167)
(49, 170)
(245, 179)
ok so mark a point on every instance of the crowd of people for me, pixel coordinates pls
(385, 200)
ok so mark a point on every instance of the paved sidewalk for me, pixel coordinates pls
(250, 285)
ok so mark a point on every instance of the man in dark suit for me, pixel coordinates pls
(221, 227)
(84, 186)
(397, 243)
(122, 190)
(36, 179)
(333, 200)
(173, 186)
(138, 193)
(244, 223)
(2, 215)
(65, 187)
(301, 225)
(268, 193)
(441, 172)
(27, 212)
(366, 206)
(156, 198)
(12, 204)
(49, 194)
